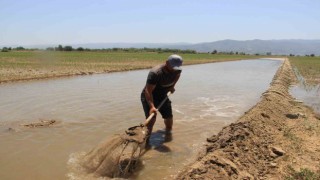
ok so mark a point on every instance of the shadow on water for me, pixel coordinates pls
(158, 140)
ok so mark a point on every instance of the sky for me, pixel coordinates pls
(35, 22)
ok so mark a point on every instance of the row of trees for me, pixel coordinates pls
(307, 55)
(159, 50)
(6, 49)
(238, 53)
(60, 48)
(228, 52)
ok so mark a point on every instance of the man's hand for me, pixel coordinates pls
(153, 110)
(172, 90)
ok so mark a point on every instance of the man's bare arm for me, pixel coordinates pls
(148, 93)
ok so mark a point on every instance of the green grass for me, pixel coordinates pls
(19, 65)
(303, 174)
(308, 67)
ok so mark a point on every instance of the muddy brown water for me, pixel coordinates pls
(89, 109)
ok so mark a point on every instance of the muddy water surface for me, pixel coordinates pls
(89, 109)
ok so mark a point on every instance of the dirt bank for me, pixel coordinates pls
(273, 140)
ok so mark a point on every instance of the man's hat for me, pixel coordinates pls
(175, 61)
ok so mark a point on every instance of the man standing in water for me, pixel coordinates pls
(161, 79)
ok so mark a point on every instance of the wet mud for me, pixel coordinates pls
(42, 123)
(276, 135)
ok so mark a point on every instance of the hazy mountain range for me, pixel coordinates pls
(285, 47)
(282, 47)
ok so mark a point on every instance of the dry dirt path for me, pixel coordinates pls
(272, 140)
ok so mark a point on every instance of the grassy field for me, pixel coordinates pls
(24, 65)
(308, 67)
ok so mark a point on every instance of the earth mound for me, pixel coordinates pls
(276, 137)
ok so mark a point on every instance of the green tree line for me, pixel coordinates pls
(145, 49)
(159, 50)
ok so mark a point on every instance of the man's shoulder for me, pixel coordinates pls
(157, 69)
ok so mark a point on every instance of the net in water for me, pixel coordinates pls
(118, 156)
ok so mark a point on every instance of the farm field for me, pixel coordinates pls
(308, 67)
(26, 65)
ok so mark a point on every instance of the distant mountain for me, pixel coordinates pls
(275, 47)
(279, 47)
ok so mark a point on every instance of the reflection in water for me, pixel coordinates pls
(309, 94)
(92, 108)
(304, 85)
